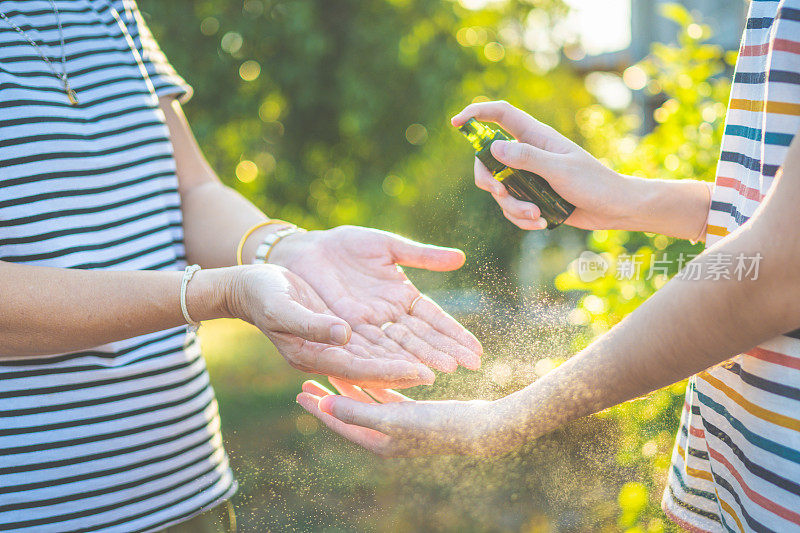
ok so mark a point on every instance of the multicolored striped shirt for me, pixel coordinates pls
(736, 461)
(122, 437)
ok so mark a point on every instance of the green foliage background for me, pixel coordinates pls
(337, 111)
(341, 81)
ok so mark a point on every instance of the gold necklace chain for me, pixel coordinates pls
(63, 77)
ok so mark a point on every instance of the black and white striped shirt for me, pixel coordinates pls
(124, 437)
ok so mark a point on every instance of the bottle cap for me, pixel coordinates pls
(482, 137)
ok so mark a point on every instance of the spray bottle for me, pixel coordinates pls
(521, 184)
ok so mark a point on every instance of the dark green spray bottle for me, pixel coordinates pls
(521, 184)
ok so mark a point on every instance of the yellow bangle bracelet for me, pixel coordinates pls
(268, 222)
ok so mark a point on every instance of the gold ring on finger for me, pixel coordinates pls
(418, 298)
(386, 325)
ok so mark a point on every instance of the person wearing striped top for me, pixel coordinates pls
(736, 460)
(107, 418)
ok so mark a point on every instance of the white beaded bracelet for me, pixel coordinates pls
(188, 273)
(269, 242)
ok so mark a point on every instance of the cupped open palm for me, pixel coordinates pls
(357, 272)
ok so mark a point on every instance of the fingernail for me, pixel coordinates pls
(541, 224)
(532, 214)
(339, 334)
(326, 405)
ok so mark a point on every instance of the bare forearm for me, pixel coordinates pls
(214, 219)
(677, 208)
(684, 328)
(214, 216)
(52, 310)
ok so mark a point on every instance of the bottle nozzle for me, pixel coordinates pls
(482, 137)
(477, 133)
(472, 128)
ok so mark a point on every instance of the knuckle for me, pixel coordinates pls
(348, 372)
(402, 334)
(408, 293)
(423, 328)
(520, 153)
(347, 414)
(302, 359)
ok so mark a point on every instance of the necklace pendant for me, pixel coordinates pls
(71, 95)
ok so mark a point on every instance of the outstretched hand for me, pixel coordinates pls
(393, 425)
(357, 273)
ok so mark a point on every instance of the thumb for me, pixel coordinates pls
(413, 254)
(316, 327)
(523, 155)
(352, 411)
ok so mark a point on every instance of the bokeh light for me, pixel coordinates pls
(393, 185)
(246, 171)
(209, 26)
(635, 77)
(232, 42)
(253, 7)
(494, 51)
(250, 70)
(416, 134)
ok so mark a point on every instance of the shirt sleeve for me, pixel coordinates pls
(166, 81)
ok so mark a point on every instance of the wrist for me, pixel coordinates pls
(635, 203)
(616, 203)
(257, 237)
(677, 208)
(511, 426)
(207, 294)
(289, 249)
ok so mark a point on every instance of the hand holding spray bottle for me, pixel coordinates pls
(521, 184)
